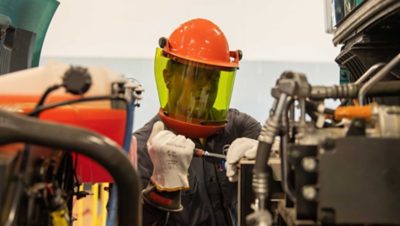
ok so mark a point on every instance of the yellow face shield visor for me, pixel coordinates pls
(193, 92)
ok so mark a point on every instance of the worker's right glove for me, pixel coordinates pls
(241, 147)
(171, 156)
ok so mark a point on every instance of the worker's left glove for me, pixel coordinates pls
(241, 147)
(246, 147)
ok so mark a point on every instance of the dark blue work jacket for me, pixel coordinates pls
(212, 199)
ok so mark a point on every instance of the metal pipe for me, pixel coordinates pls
(385, 88)
(197, 152)
(266, 138)
(368, 73)
(283, 146)
(379, 75)
(302, 103)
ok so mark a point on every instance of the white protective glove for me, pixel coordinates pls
(241, 147)
(171, 156)
(246, 147)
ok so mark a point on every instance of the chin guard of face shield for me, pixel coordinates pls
(317, 145)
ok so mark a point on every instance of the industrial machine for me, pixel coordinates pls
(62, 125)
(337, 166)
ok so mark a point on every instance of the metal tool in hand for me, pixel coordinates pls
(197, 152)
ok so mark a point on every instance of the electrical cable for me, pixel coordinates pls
(62, 103)
(44, 96)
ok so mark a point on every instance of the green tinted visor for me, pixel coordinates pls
(193, 92)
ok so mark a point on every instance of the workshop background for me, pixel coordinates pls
(122, 35)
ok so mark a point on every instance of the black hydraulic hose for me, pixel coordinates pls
(17, 128)
(8, 214)
(285, 183)
(385, 88)
(260, 174)
(266, 138)
(262, 156)
(267, 135)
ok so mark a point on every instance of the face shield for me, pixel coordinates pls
(193, 92)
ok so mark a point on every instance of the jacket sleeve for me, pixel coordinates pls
(153, 216)
(245, 125)
(145, 166)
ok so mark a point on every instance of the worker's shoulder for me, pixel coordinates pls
(236, 114)
(234, 111)
(146, 129)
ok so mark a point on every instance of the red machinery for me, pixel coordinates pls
(21, 91)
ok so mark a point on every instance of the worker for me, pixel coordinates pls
(194, 72)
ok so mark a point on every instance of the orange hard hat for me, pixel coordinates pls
(200, 40)
(195, 72)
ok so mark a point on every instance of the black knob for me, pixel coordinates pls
(77, 80)
(162, 42)
(240, 53)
